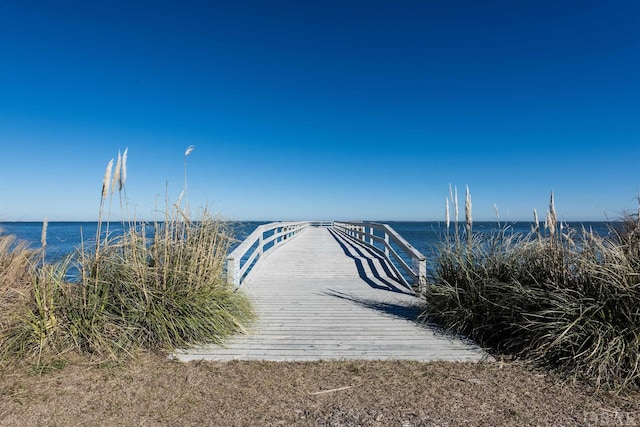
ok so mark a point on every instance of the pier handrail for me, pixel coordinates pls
(243, 258)
(358, 231)
(321, 223)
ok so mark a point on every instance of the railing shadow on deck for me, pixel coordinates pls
(413, 313)
(371, 257)
(409, 312)
(380, 241)
(405, 260)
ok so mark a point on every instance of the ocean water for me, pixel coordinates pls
(424, 236)
(65, 237)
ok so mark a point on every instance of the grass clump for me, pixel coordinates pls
(156, 286)
(566, 298)
(163, 291)
(18, 266)
(17, 263)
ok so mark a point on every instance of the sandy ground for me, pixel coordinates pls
(156, 391)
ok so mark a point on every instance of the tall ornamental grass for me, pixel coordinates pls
(17, 269)
(569, 299)
(156, 286)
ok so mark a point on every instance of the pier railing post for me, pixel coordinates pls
(420, 267)
(386, 244)
(233, 272)
(261, 243)
(257, 245)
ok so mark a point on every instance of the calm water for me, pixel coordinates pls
(64, 237)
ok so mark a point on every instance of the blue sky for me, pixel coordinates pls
(321, 109)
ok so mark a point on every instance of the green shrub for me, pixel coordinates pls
(17, 264)
(568, 299)
(35, 323)
(164, 291)
(156, 290)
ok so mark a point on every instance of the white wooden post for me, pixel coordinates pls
(420, 268)
(260, 247)
(386, 244)
(233, 272)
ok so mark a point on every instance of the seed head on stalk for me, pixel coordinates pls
(552, 219)
(106, 180)
(468, 215)
(188, 151)
(123, 171)
(115, 182)
(43, 237)
(536, 225)
(446, 213)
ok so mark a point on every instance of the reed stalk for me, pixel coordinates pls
(446, 213)
(552, 220)
(187, 152)
(122, 184)
(43, 237)
(453, 194)
(106, 181)
(115, 180)
(536, 225)
(468, 217)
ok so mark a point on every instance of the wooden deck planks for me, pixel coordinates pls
(320, 297)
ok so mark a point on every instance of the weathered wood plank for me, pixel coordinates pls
(323, 297)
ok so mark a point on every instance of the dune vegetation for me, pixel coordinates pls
(569, 299)
(157, 286)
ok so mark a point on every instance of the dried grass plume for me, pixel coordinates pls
(43, 236)
(123, 172)
(115, 182)
(107, 179)
(446, 212)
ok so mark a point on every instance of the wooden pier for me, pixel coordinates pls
(327, 295)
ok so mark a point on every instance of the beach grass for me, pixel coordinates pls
(569, 299)
(18, 266)
(157, 286)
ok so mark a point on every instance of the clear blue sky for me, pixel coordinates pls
(321, 109)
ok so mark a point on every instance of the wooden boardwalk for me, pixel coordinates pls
(322, 297)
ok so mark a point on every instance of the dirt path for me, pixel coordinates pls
(155, 391)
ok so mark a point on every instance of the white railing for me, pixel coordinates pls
(266, 238)
(321, 223)
(263, 240)
(388, 240)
